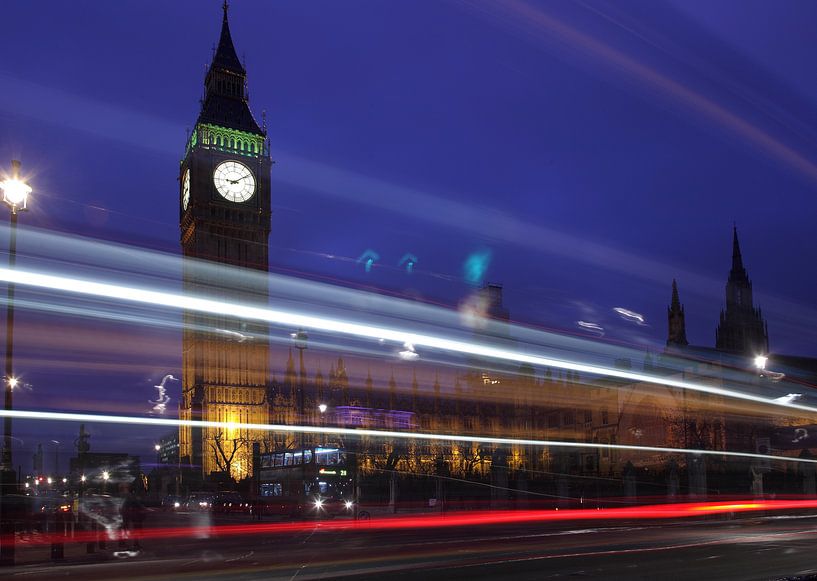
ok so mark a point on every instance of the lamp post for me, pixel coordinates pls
(15, 195)
(300, 338)
(322, 408)
(56, 457)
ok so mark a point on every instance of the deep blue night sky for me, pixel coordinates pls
(596, 149)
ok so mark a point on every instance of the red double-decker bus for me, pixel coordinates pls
(305, 482)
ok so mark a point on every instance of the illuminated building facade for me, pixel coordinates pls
(224, 198)
(224, 206)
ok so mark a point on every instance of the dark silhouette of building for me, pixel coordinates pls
(677, 323)
(742, 329)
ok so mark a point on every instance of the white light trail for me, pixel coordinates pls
(386, 434)
(630, 315)
(298, 320)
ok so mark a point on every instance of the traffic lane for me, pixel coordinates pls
(757, 560)
(443, 553)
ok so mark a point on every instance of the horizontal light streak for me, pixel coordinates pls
(297, 320)
(385, 434)
(451, 519)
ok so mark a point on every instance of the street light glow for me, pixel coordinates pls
(105, 475)
(760, 361)
(322, 407)
(13, 382)
(15, 193)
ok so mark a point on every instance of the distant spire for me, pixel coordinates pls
(737, 260)
(677, 332)
(742, 328)
(675, 305)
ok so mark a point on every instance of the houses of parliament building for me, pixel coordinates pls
(225, 218)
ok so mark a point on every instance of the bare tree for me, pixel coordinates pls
(394, 457)
(225, 450)
(471, 459)
(695, 429)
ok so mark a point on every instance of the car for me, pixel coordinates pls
(172, 502)
(320, 506)
(230, 502)
(198, 501)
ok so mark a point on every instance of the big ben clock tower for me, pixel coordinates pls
(224, 204)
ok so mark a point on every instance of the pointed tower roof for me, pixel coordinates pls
(676, 329)
(737, 259)
(741, 328)
(225, 100)
(226, 57)
(675, 305)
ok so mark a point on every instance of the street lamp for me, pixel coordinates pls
(56, 456)
(300, 338)
(322, 408)
(760, 362)
(105, 477)
(15, 195)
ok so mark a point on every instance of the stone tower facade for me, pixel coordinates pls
(224, 205)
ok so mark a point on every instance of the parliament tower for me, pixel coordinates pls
(224, 205)
(742, 329)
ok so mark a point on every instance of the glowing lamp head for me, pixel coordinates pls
(760, 361)
(322, 407)
(13, 382)
(348, 504)
(318, 503)
(49, 480)
(15, 191)
(157, 447)
(105, 475)
(82, 478)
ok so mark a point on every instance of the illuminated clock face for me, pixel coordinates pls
(234, 181)
(186, 189)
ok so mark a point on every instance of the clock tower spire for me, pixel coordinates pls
(224, 207)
